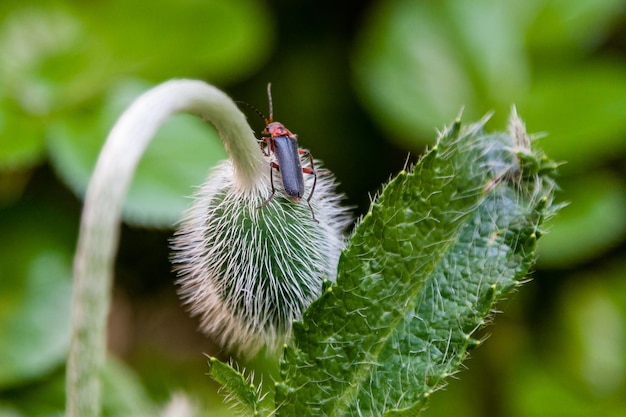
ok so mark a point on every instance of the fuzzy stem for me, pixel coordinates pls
(100, 223)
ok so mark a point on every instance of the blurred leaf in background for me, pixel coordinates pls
(35, 289)
(67, 71)
(178, 157)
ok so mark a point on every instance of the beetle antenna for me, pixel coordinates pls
(257, 111)
(269, 96)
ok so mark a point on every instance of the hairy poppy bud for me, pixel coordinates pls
(247, 271)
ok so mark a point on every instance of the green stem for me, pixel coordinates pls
(100, 223)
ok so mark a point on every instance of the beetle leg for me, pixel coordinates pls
(273, 165)
(266, 145)
(312, 172)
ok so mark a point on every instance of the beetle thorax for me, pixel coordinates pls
(277, 129)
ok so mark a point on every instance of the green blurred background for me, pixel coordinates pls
(363, 84)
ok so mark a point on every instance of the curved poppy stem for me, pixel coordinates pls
(100, 222)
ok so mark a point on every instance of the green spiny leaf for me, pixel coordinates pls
(239, 389)
(421, 273)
